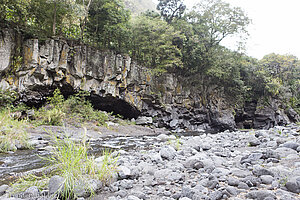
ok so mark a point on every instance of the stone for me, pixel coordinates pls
(6, 47)
(216, 195)
(3, 189)
(267, 179)
(55, 184)
(32, 192)
(174, 177)
(187, 192)
(167, 152)
(293, 184)
(291, 145)
(259, 171)
(284, 151)
(4, 85)
(131, 197)
(232, 191)
(185, 198)
(143, 120)
(242, 185)
(254, 142)
(251, 158)
(260, 194)
(240, 173)
(121, 193)
(251, 181)
(232, 181)
(124, 172)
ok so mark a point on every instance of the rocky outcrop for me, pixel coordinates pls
(264, 114)
(115, 83)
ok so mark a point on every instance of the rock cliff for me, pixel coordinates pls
(116, 83)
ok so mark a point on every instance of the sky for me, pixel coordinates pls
(275, 26)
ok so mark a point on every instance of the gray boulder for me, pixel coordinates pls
(56, 184)
(143, 120)
(167, 152)
(3, 189)
(293, 185)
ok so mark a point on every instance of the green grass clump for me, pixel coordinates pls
(12, 132)
(71, 161)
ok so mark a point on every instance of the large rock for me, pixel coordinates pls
(56, 184)
(293, 185)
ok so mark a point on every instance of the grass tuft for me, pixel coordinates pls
(12, 133)
(72, 162)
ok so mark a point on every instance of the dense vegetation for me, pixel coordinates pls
(174, 39)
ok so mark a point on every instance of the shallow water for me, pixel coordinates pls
(11, 164)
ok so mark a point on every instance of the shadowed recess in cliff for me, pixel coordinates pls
(115, 105)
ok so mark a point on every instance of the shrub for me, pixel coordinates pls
(75, 107)
(7, 97)
(12, 133)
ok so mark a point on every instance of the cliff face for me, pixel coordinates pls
(115, 82)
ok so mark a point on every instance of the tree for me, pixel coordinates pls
(282, 76)
(211, 21)
(171, 9)
(108, 24)
(152, 44)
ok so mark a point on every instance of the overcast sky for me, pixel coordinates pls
(275, 26)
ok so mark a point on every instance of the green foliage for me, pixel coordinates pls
(7, 97)
(279, 76)
(12, 133)
(108, 166)
(152, 44)
(57, 100)
(82, 109)
(53, 116)
(76, 107)
(28, 181)
(211, 22)
(171, 9)
(71, 161)
(108, 24)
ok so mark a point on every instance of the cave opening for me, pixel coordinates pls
(38, 98)
(114, 105)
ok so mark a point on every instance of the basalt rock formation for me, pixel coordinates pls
(117, 83)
